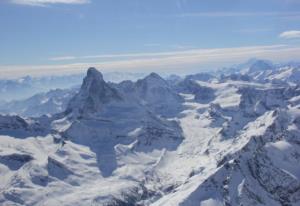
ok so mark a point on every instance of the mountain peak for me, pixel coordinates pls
(260, 65)
(154, 75)
(93, 72)
(93, 80)
(93, 93)
(154, 78)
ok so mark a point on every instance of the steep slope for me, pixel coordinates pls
(19, 127)
(260, 66)
(126, 137)
(285, 75)
(152, 89)
(25, 87)
(154, 93)
(262, 172)
(231, 136)
(107, 116)
(119, 144)
(103, 138)
(265, 71)
(94, 93)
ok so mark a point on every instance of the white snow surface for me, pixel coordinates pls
(144, 143)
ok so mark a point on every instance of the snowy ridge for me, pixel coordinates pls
(200, 140)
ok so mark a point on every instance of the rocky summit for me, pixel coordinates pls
(227, 138)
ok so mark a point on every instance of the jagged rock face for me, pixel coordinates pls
(153, 88)
(235, 143)
(116, 115)
(202, 94)
(126, 86)
(275, 168)
(158, 134)
(263, 172)
(15, 161)
(120, 120)
(94, 93)
(265, 72)
(173, 79)
(214, 110)
(150, 90)
(187, 86)
(154, 93)
(256, 101)
(285, 75)
(13, 122)
(20, 127)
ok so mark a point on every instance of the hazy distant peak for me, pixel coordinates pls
(260, 65)
(154, 75)
(155, 79)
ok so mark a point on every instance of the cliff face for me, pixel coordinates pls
(196, 141)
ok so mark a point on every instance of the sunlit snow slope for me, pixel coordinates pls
(202, 140)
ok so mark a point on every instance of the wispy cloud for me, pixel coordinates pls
(62, 58)
(173, 61)
(116, 56)
(240, 14)
(171, 46)
(47, 2)
(290, 34)
(171, 54)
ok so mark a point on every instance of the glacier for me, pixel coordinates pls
(223, 138)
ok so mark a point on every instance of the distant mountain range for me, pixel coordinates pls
(224, 138)
(25, 87)
(48, 103)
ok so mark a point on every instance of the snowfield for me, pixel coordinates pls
(204, 140)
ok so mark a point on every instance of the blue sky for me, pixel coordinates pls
(57, 36)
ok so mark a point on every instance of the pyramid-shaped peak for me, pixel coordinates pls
(93, 80)
(260, 65)
(93, 72)
(93, 94)
(152, 80)
(154, 75)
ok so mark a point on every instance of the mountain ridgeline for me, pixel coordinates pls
(222, 138)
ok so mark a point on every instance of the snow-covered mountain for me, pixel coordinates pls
(285, 75)
(25, 87)
(52, 102)
(263, 71)
(202, 140)
(93, 95)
